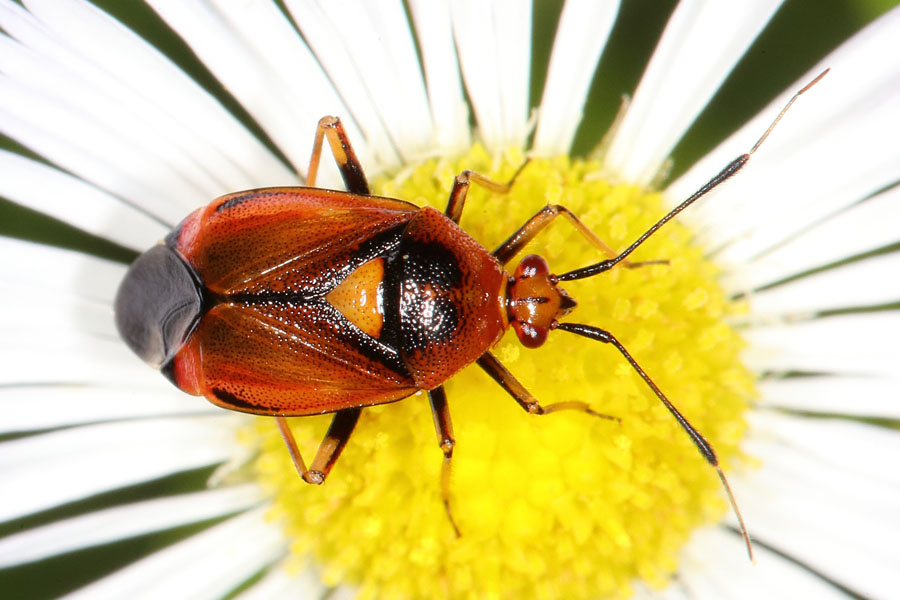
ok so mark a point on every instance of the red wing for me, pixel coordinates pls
(293, 240)
(289, 360)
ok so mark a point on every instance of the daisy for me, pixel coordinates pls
(770, 326)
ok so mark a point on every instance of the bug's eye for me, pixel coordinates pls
(530, 336)
(157, 304)
(531, 266)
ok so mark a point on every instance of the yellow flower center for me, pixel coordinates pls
(558, 506)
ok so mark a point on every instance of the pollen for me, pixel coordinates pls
(565, 505)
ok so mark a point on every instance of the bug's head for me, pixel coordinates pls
(157, 304)
(535, 301)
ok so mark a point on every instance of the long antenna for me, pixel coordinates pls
(705, 448)
(733, 167)
(601, 335)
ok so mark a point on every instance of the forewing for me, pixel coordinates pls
(287, 240)
(291, 360)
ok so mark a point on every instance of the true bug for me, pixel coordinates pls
(300, 301)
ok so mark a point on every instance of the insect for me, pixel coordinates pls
(300, 301)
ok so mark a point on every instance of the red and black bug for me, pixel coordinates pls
(298, 301)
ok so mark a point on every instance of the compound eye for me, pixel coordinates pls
(531, 336)
(530, 266)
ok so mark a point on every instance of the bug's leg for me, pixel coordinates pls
(288, 436)
(461, 187)
(329, 450)
(533, 226)
(351, 170)
(444, 429)
(705, 448)
(508, 382)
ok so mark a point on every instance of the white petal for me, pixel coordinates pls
(57, 270)
(59, 132)
(829, 152)
(786, 189)
(190, 117)
(854, 449)
(156, 95)
(378, 42)
(864, 227)
(343, 592)
(277, 583)
(270, 37)
(123, 522)
(449, 110)
(78, 203)
(493, 40)
(700, 577)
(67, 405)
(682, 76)
(841, 395)
(327, 45)
(240, 70)
(674, 592)
(268, 32)
(33, 312)
(716, 566)
(479, 65)
(99, 103)
(867, 282)
(58, 294)
(357, 55)
(827, 497)
(851, 344)
(583, 29)
(69, 358)
(512, 29)
(859, 83)
(209, 564)
(47, 470)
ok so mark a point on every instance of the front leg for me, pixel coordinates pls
(344, 156)
(461, 187)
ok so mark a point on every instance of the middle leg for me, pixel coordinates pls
(508, 382)
(533, 226)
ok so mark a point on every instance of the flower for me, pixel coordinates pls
(794, 257)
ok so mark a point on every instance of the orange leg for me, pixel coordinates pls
(329, 450)
(461, 188)
(444, 428)
(351, 170)
(527, 232)
(508, 382)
